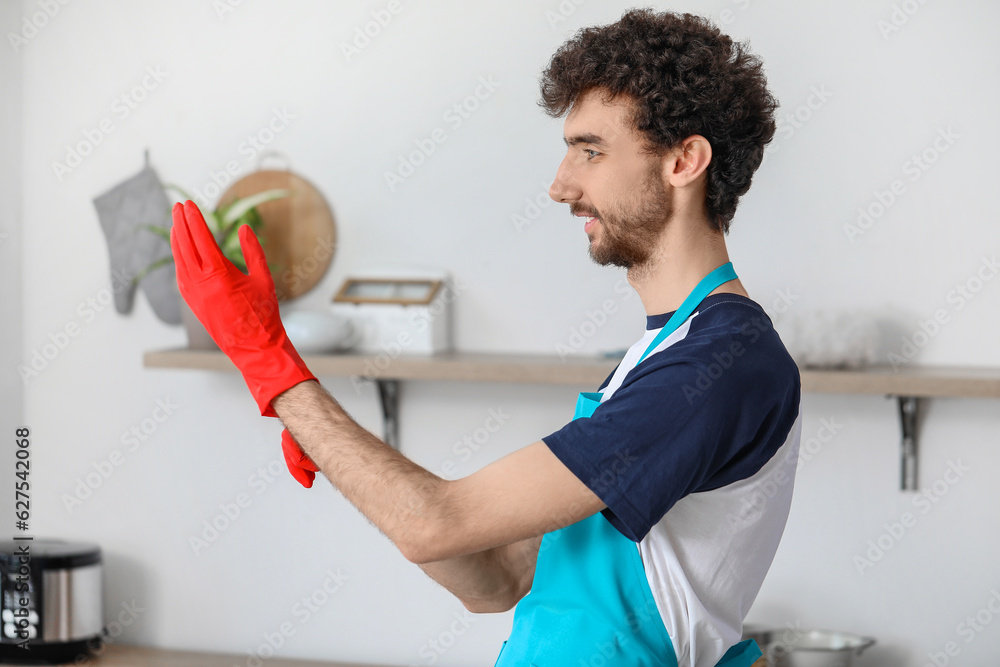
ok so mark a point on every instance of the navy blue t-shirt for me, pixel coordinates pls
(709, 407)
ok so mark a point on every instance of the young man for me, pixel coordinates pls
(640, 532)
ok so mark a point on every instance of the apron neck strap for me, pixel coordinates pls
(722, 274)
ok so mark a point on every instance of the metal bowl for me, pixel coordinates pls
(815, 648)
(316, 332)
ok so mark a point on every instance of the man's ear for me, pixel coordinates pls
(688, 161)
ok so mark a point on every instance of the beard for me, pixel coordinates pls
(629, 234)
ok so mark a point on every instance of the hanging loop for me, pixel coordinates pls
(274, 154)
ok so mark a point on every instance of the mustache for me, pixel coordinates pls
(580, 210)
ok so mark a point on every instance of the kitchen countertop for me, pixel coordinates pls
(118, 655)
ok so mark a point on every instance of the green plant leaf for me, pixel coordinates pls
(239, 207)
(230, 238)
(228, 234)
(224, 222)
(231, 246)
(256, 222)
(252, 218)
(223, 211)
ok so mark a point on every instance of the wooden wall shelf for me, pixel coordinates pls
(586, 371)
(907, 384)
(454, 366)
(925, 382)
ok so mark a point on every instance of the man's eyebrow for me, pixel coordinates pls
(588, 138)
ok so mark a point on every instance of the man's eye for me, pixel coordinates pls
(591, 153)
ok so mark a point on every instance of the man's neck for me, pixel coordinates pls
(685, 254)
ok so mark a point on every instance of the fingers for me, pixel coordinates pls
(303, 477)
(180, 244)
(253, 254)
(299, 465)
(294, 452)
(201, 240)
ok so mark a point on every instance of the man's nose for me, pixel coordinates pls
(564, 188)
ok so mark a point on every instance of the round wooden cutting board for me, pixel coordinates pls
(299, 234)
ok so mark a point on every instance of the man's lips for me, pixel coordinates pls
(588, 221)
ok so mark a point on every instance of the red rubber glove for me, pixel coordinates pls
(300, 465)
(240, 311)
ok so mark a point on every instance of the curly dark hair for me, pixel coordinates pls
(683, 77)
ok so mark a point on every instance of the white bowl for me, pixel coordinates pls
(315, 332)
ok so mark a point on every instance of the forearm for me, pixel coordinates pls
(475, 579)
(399, 497)
(488, 581)
(402, 499)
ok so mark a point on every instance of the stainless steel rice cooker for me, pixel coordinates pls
(51, 600)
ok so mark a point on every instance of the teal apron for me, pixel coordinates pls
(590, 604)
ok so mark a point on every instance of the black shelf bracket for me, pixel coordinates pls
(909, 407)
(388, 391)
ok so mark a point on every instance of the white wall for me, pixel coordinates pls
(526, 291)
(11, 389)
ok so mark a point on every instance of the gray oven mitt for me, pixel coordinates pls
(124, 211)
